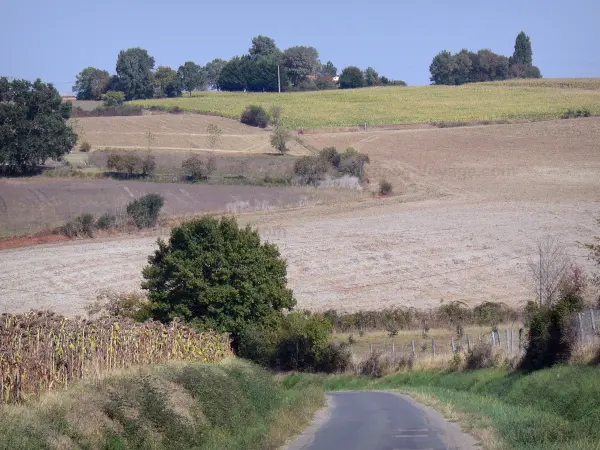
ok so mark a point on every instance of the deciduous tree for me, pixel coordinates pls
(215, 275)
(166, 82)
(91, 84)
(299, 62)
(134, 72)
(192, 77)
(352, 77)
(33, 125)
(371, 77)
(263, 47)
(213, 72)
(523, 54)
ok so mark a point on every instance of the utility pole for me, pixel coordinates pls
(278, 79)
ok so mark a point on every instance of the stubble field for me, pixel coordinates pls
(470, 205)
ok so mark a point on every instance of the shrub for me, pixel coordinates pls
(145, 210)
(325, 83)
(551, 336)
(353, 163)
(176, 110)
(132, 305)
(113, 98)
(106, 221)
(214, 134)
(298, 341)
(147, 165)
(279, 139)
(82, 225)
(255, 116)
(574, 113)
(481, 357)
(331, 156)
(196, 169)
(109, 111)
(385, 187)
(276, 115)
(215, 275)
(310, 169)
(85, 147)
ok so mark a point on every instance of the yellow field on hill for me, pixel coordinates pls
(562, 83)
(401, 105)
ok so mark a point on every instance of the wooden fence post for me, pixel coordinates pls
(499, 340)
(493, 339)
(506, 343)
(371, 349)
(512, 340)
(452, 344)
(580, 326)
(468, 343)
(433, 346)
(393, 348)
(593, 320)
(412, 342)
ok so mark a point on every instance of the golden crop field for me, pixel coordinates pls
(399, 105)
(561, 83)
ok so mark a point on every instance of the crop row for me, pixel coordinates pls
(41, 351)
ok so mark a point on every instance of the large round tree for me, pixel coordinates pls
(33, 125)
(215, 275)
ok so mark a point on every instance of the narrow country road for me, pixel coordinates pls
(380, 421)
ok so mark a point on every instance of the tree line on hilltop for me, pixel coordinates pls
(262, 69)
(470, 67)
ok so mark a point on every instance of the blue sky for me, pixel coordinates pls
(54, 40)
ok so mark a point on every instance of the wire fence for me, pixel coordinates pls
(511, 340)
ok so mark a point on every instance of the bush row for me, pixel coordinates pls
(312, 169)
(109, 111)
(141, 213)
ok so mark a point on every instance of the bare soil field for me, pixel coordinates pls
(174, 132)
(470, 206)
(28, 206)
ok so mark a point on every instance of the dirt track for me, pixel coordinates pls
(462, 228)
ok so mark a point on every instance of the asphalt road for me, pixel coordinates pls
(380, 421)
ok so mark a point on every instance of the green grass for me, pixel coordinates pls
(232, 405)
(398, 105)
(558, 408)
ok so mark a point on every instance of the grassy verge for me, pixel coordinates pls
(400, 105)
(232, 405)
(556, 408)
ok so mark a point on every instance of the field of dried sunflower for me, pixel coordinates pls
(42, 351)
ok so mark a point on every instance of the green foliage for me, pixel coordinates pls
(523, 53)
(82, 225)
(385, 187)
(279, 139)
(33, 125)
(213, 72)
(298, 341)
(255, 116)
(371, 77)
(215, 275)
(134, 73)
(352, 77)
(198, 169)
(166, 82)
(312, 169)
(252, 75)
(575, 113)
(192, 77)
(145, 210)
(230, 406)
(113, 98)
(552, 336)
(299, 62)
(91, 84)
(85, 147)
(325, 83)
(264, 47)
(106, 221)
(328, 70)
(109, 111)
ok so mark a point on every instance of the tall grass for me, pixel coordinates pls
(226, 406)
(41, 351)
(397, 105)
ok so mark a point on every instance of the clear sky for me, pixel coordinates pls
(54, 40)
